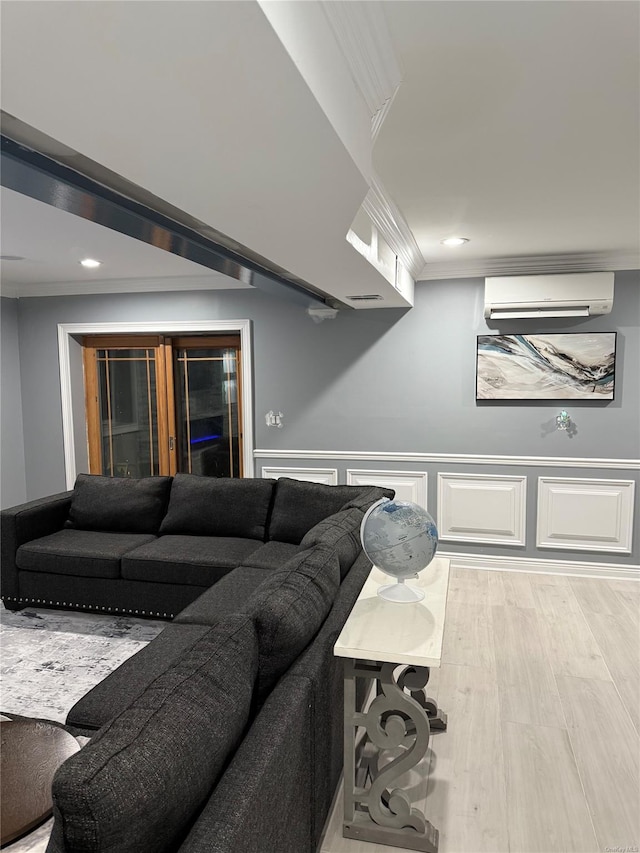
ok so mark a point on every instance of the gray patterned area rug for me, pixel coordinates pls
(50, 658)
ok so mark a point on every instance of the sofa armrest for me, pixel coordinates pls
(23, 523)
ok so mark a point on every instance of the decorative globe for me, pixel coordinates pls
(400, 538)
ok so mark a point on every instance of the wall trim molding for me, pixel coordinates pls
(530, 265)
(450, 459)
(362, 34)
(567, 518)
(413, 482)
(154, 284)
(497, 503)
(572, 568)
(68, 330)
(328, 476)
(390, 222)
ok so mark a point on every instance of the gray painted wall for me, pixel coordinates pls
(13, 486)
(368, 381)
(393, 381)
(381, 380)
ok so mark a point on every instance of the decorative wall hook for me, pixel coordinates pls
(563, 421)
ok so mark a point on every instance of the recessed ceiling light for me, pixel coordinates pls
(454, 241)
(90, 263)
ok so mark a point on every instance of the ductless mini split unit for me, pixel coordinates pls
(536, 296)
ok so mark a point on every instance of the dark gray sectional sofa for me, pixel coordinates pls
(150, 547)
(224, 734)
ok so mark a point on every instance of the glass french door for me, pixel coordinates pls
(206, 406)
(158, 405)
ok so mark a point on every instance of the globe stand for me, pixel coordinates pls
(400, 592)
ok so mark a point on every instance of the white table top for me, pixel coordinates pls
(409, 633)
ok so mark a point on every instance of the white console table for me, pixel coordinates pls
(394, 644)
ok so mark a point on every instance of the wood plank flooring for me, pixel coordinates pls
(540, 679)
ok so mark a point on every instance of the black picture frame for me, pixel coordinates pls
(554, 366)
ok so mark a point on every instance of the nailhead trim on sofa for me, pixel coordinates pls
(121, 610)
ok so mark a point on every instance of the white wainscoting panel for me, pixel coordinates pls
(482, 508)
(408, 485)
(328, 476)
(584, 514)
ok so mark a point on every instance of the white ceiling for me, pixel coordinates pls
(52, 243)
(516, 124)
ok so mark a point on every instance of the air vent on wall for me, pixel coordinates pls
(365, 297)
(534, 313)
(555, 295)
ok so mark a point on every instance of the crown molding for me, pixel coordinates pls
(123, 285)
(393, 227)
(531, 265)
(362, 34)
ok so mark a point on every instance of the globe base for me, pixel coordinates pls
(400, 593)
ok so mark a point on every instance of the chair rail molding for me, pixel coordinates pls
(351, 456)
(68, 331)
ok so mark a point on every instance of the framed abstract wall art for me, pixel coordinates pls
(571, 366)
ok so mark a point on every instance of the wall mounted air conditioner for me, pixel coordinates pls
(535, 296)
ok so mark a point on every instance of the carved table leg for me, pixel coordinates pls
(380, 812)
(412, 679)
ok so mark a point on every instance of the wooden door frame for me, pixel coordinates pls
(69, 333)
(90, 346)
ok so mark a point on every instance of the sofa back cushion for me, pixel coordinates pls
(299, 505)
(368, 496)
(218, 506)
(119, 505)
(289, 608)
(140, 782)
(340, 531)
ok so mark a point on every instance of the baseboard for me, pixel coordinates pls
(575, 568)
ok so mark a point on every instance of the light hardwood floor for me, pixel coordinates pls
(540, 679)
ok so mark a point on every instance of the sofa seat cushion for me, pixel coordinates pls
(218, 506)
(228, 595)
(271, 555)
(299, 505)
(289, 608)
(142, 779)
(84, 553)
(197, 560)
(119, 505)
(340, 531)
(128, 681)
